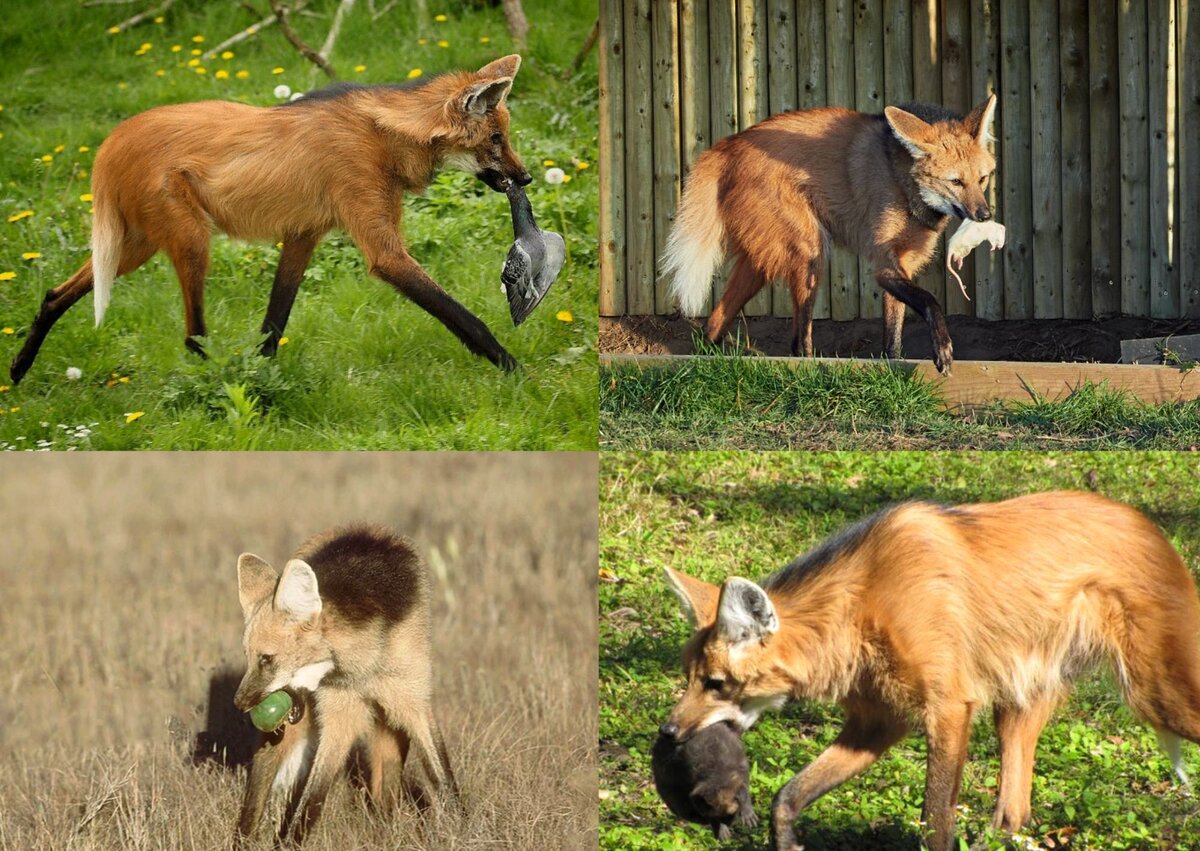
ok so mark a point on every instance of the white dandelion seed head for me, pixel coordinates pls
(282, 91)
(296, 96)
(554, 176)
(74, 373)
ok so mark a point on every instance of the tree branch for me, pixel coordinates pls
(290, 34)
(130, 23)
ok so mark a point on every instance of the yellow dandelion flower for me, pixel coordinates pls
(414, 73)
(58, 149)
(195, 51)
(484, 40)
(358, 69)
(86, 197)
(582, 165)
(47, 158)
(159, 19)
(564, 316)
(283, 341)
(8, 276)
(566, 178)
(113, 30)
(14, 409)
(160, 73)
(227, 55)
(201, 70)
(175, 48)
(124, 379)
(276, 70)
(146, 46)
(4, 388)
(443, 43)
(8, 331)
(135, 415)
(82, 173)
(1, 107)
(222, 74)
(122, 86)
(24, 214)
(1, 135)
(28, 255)
(83, 149)
(242, 75)
(422, 41)
(192, 63)
(199, 39)
(547, 163)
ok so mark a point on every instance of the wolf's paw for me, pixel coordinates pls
(943, 357)
(747, 817)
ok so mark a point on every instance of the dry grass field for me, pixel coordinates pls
(120, 635)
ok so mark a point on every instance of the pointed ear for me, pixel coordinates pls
(504, 67)
(914, 133)
(479, 98)
(297, 595)
(979, 122)
(256, 581)
(699, 598)
(745, 612)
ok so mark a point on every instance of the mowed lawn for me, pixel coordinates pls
(123, 643)
(363, 367)
(1100, 781)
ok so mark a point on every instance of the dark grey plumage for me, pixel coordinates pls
(533, 262)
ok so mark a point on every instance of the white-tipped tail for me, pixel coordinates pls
(696, 245)
(1170, 743)
(108, 237)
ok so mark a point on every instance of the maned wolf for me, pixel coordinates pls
(777, 194)
(924, 614)
(345, 630)
(340, 157)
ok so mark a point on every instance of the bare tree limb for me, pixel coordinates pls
(142, 16)
(518, 26)
(588, 44)
(250, 31)
(375, 16)
(297, 42)
(343, 8)
(91, 3)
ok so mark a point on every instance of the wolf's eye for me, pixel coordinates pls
(957, 181)
(983, 180)
(713, 684)
(497, 138)
(265, 659)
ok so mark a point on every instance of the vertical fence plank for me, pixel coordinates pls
(664, 37)
(897, 53)
(781, 93)
(927, 88)
(1104, 123)
(839, 80)
(722, 80)
(1187, 53)
(1045, 161)
(810, 93)
(1076, 183)
(956, 94)
(639, 141)
(612, 161)
(1014, 147)
(1135, 160)
(868, 97)
(1164, 282)
(693, 87)
(752, 96)
(985, 79)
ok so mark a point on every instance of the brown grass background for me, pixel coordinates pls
(119, 615)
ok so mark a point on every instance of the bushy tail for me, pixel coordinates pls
(108, 239)
(696, 246)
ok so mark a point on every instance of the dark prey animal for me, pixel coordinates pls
(705, 779)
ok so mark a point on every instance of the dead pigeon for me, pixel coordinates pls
(533, 262)
(705, 779)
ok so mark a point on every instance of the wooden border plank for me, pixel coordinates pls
(810, 93)
(1015, 149)
(612, 161)
(985, 382)
(1075, 162)
(1104, 133)
(839, 80)
(985, 79)
(664, 178)
(1135, 159)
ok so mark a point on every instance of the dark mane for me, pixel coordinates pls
(821, 556)
(341, 89)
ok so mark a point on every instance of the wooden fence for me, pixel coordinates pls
(1098, 137)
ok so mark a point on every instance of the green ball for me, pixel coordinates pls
(271, 713)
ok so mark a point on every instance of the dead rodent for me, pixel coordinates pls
(705, 779)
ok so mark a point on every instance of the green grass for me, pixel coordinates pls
(1099, 777)
(745, 403)
(363, 367)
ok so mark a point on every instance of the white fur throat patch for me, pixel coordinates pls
(756, 706)
(937, 202)
(310, 676)
(460, 161)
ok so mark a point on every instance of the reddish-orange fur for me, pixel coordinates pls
(166, 178)
(924, 615)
